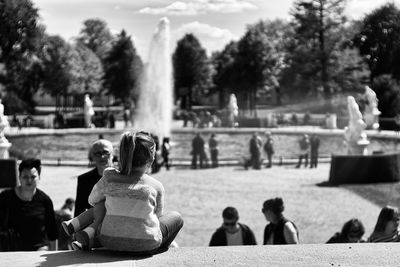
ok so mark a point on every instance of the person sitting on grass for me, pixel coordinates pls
(352, 232)
(128, 212)
(232, 233)
(386, 228)
(279, 231)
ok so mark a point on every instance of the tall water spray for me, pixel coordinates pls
(154, 109)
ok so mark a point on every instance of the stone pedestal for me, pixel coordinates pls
(4, 147)
(358, 148)
(330, 121)
(354, 169)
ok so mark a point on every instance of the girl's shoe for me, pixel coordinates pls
(67, 227)
(83, 239)
(78, 246)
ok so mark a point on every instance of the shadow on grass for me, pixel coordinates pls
(326, 184)
(381, 194)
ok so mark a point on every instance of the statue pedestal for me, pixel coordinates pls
(357, 147)
(354, 169)
(4, 147)
(330, 121)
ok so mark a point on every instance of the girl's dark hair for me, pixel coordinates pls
(275, 205)
(353, 227)
(387, 214)
(135, 150)
(29, 164)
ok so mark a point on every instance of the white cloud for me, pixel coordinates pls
(211, 38)
(358, 8)
(195, 7)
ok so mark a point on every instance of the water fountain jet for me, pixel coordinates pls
(155, 105)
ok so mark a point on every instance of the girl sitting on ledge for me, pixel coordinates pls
(127, 213)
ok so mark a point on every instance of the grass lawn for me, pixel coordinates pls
(201, 195)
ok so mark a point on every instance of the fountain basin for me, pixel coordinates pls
(73, 144)
(375, 168)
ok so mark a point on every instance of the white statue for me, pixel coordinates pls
(4, 144)
(354, 134)
(88, 111)
(233, 109)
(371, 112)
(3, 124)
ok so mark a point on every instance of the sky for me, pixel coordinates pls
(214, 22)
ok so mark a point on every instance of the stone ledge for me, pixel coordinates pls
(365, 254)
(292, 130)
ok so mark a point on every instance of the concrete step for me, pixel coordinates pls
(364, 254)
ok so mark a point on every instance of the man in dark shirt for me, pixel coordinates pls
(213, 145)
(34, 220)
(232, 233)
(101, 153)
(255, 152)
(28, 211)
(304, 143)
(198, 152)
(314, 145)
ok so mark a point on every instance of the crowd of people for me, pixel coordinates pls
(308, 148)
(199, 154)
(282, 231)
(121, 207)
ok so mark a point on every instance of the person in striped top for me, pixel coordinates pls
(387, 226)
(128, 212)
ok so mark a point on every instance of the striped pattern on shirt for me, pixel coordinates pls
(131, 222)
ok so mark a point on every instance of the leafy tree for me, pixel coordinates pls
(228, 73)
(388, 92)
(96, 36)
(257, 60)
(224, 76)
(379, 41)
(122, 69)
(191, 69)
(349, 72)
(19, 40)
(317, 26)
(19, 31)
(87, 70)
(55, 57)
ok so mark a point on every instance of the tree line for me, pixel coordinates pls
(318, 51)
(33, 61)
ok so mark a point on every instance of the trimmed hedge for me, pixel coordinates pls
(376, 168)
